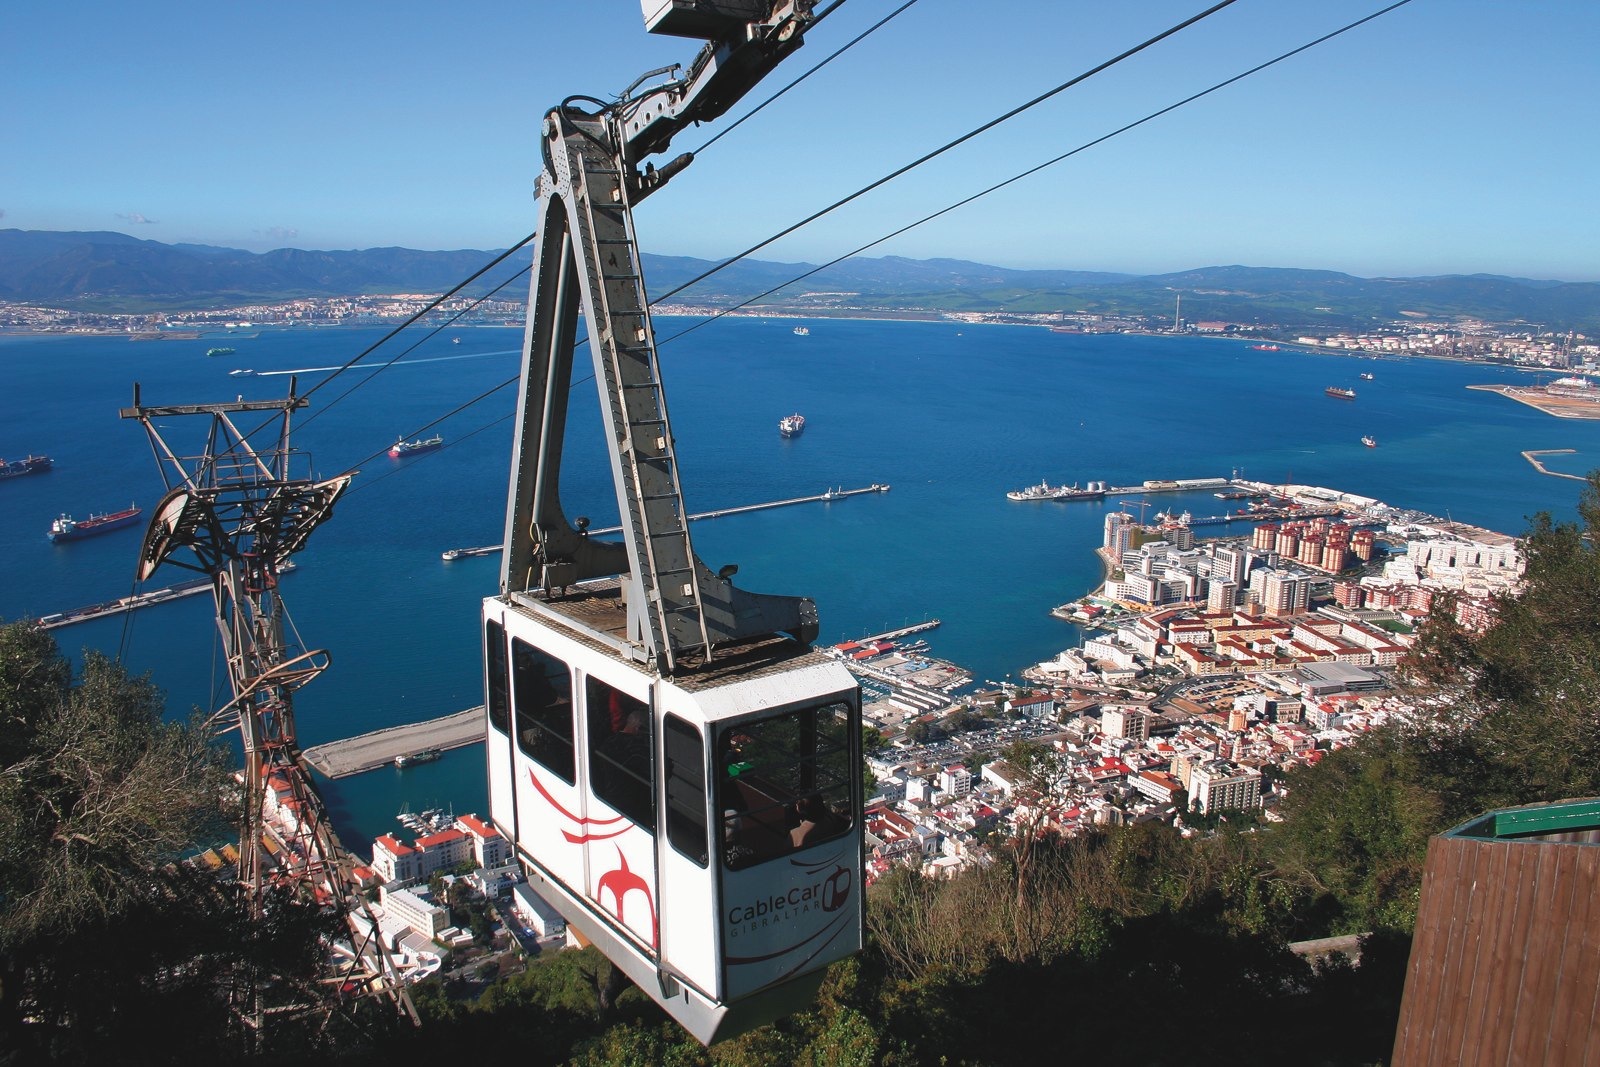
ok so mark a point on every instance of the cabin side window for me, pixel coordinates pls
(785, 783)
(542, 686)
(497, 683)
(686, 788)
(621, 753)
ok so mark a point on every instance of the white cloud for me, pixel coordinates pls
(279, 233)
(135, 217)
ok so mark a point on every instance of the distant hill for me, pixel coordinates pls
(110, 271)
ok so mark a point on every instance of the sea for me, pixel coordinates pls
(951, 415)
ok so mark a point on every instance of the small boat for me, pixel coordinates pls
(402, 447)
(411, 759)
(455, 340)
(792, 425)
(1265, 348)
(66, 528)
(219, 351)
(1366, 376)
(802, 331)
(18, 467)
(1340, 393)
(1370, 441)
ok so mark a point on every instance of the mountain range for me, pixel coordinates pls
(107, 271)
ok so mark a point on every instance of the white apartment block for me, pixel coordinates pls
(1217, 785)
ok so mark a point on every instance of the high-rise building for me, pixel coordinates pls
(1217, 785)
(1118, 533)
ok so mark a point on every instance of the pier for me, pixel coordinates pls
(122, 604)
(819, 498)
(904, 631)
(367, 752)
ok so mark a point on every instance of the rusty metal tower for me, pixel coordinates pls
(237, 513)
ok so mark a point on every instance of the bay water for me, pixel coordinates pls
(951, 415)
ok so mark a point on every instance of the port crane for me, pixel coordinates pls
(677, 770)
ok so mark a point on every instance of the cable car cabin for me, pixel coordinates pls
(703, 830)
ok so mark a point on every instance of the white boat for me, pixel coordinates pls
(1370, 441)
(802, 331)
(792, 425)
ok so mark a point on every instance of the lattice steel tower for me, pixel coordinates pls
(241, 513)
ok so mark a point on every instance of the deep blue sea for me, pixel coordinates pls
(950, 415)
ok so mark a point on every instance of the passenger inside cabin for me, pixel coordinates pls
(814, 821)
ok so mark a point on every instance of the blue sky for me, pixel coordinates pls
(1451, 136)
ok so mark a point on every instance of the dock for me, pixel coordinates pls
(825, 497)
(904, 631)
(367, 752)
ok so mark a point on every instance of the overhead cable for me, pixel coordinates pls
(851, 44)
(969, 135)
(1035, 169)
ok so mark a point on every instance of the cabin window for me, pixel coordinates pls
(786, 783)
(686, 788)
(621, 753)
(498, 683)
(543, 689)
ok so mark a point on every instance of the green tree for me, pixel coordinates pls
(107, 941)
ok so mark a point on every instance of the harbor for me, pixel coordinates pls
(380, 748)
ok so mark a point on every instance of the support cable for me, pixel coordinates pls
(853, 42)
(1035, 169)
(969, 135)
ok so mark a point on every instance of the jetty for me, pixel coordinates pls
(367, 752)
(1532, 456)
(825, 497)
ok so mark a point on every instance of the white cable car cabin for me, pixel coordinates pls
(703, 831)
(679, 773)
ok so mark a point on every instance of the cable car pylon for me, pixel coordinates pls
(236, 514)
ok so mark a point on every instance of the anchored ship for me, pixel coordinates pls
(792, 425)
(66, 528)
(1342, 394)
(402, 447)
(1370, 441)
(219, 351)
(18, 467)
(802, 331)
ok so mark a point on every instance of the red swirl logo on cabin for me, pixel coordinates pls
(622, 880)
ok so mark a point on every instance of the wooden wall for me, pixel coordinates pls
(1505, 964)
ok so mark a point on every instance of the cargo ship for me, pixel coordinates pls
(402, 447)
(18, 467)
(802, 331)
(411, 759)
(67, 528)
(1342, 394)
(792, 425)
(219, 351)
(1265, 348)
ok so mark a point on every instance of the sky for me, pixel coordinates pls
(1447, 137)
